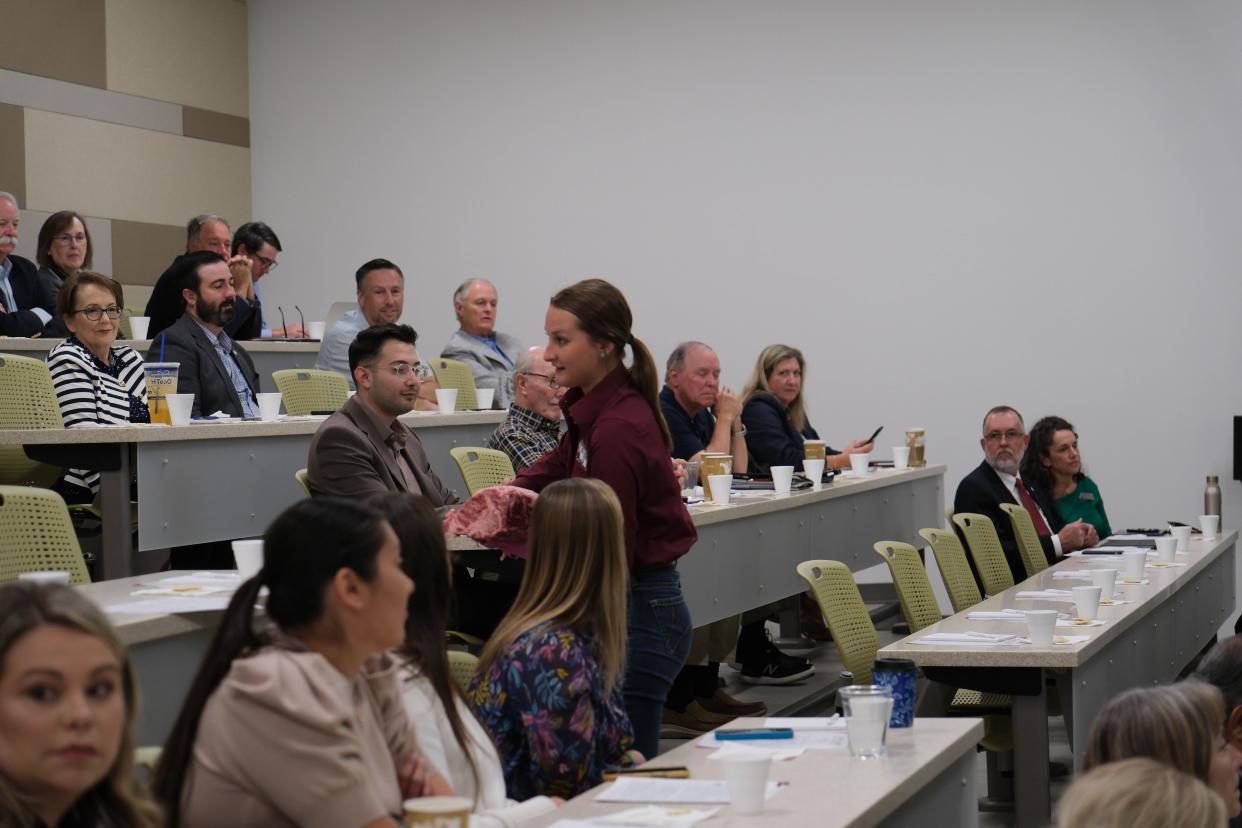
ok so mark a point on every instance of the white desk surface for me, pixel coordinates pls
(39, 345)
(1163, 582)
(134, 628)
(827, 788)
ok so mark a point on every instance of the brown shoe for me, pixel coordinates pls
(693, 721)
(721, 702)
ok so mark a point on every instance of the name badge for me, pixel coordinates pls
(1086, 496)
(582, 456)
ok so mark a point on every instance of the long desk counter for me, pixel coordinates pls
(217, 481)
(926, 777)
(1150, 639)
(268, 354)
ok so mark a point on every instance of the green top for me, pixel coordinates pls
(1085, 503)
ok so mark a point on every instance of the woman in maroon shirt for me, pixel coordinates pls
(617, 434)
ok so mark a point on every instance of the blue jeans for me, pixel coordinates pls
(659, 641)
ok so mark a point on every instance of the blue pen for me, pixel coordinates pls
(754, 733)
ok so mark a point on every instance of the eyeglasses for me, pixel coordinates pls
(94, 312)
(552, 383)
(269, 264)
(1010, 436)
(422, 371)
(66, 238)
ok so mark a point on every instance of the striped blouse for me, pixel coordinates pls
(90, 393)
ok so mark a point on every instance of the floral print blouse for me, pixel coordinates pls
(543, 702)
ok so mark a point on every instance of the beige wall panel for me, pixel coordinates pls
(186, 52)
(133, 174)
(13, 151)
(142, 251)
(60, 39)
(215, 126)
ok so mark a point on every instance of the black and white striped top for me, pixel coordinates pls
(90, 392)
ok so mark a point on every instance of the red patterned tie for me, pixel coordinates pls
(1028, 503)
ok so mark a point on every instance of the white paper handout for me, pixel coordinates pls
(172, 606)
(973, 639)
(673, 791)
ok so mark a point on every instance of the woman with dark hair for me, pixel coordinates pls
(301, 723)
(616, 433)
(774, 414)
(452, 740)
(68, 698)
(64, 249)
(97, 382)
(1052, 462)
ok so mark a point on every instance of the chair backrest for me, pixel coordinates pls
(27, 400)
(461, 667)
(453, 373)
(1028, 539)
(985, 549)
(303, 481)
(959, 581)
(918, 601)
(483, 467)
(36, 535)
(310, 391)
(845, 614)
(336, 311)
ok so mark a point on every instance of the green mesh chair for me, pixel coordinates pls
(1028, 539)
(845, 614)
(918, 602)
(27, 400)
(959, 581)
(461, 667)
(310, 391)
(483, 467)
(453, 373)
(985, 549)
(303, 481)
(36, 535)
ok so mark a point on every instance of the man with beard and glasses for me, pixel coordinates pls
(997, 481)
(220, 375)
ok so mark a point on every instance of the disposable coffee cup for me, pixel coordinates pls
(1182, 533)
(438, 812)
(859, 463)
(868, 709)
(713, 463)
(1040, 625)
(1209, 525)
(815, 449)
(746, 777)
(1166, 548)
(1087, 601)
(447, 399)
(50, 577)
(485, 397)
(782, 479)
(161, 380)
(248, 555)
(901, 457)
(180, 406)
(814, 470)
(1106, 580)
(314, 330)
(915, 438)
(269, 405)
(138, 326)
(721, 486)
(1132, 563)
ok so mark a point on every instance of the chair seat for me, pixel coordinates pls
(973, 702)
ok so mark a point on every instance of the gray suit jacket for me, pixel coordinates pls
(488, 368)
(202, 373)
(349, 457)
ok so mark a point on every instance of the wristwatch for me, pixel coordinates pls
(736, 433)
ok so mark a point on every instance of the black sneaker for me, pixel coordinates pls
(774, 667)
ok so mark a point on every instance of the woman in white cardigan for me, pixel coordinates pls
(449, 736)
(96, 380)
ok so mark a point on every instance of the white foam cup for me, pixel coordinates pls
(901, 457)
(269, 405)
(447, 398)
(782, 479)
(1106, 580)
(1087, 601)
(249, 557)
(1166, 548)
(1209, 525)
(179, 408)
(814, 470)
(746, 776)
(721, 486)
(485, 397)
(314, 330)
(138, 326)
(1182, 533)
(1133, 563)
(858, 462)
(1041, 624)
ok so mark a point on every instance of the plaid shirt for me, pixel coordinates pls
(525, 436)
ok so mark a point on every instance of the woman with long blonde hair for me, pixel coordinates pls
(548, 685)
(1139, 793)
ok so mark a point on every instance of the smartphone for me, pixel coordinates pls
(754, 733)
(874, 434)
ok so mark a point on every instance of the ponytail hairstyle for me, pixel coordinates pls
(604, 315)
(303, 549)
(425, 559)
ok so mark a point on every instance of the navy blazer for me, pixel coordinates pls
(166, 306)
(202, 373)
(21, 320)
(982, 492)
(771, 439)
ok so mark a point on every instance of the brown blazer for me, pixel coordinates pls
(350, 458)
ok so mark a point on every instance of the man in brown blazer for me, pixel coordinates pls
(364, 448)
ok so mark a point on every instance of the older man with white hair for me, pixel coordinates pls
(21, 313)
(533, 426)
(491, 355)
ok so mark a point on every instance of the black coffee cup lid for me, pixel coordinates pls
(894, 664)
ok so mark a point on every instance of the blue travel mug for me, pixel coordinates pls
(902, 676)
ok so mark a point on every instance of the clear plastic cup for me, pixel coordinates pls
(1041, 626)
(161, 380)
(868, 708)
(782, 479)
